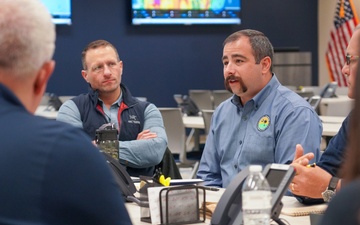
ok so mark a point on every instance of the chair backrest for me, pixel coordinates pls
(207, 114)
(64, 98)
(186, 105)
(144, 99)
(219, 96)
(45, 100)
(202, 98)
(175, 131)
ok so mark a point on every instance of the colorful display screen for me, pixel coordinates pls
(186, 12)
(60, 10)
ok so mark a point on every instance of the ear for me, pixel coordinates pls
(121, 65)
(84, 75)
(266, 64)
(43, 77)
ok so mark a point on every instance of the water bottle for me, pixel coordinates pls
(256, 198)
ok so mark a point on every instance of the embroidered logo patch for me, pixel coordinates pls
(263, 123)
(133, 119)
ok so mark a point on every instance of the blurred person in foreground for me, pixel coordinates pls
(262, 121)
(142, 136)
(318, 184)
(344, 208)
(50, 171)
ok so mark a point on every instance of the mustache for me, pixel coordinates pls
(231, 77)
(234, 78)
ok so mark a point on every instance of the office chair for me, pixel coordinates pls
(142, 98)
(202, 98)
(176, 134)
(64, 98)
(219, 96)
(207, 114)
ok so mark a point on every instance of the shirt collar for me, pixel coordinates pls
(260, 97)
(117, 102)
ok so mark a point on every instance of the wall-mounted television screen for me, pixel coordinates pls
(60, 10)
(186, 12)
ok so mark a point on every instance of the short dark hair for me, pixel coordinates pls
(94, 45)
(260, 44)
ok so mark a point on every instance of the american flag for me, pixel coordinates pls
(344, 23)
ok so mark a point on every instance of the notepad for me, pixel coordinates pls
(294, 208)
(209, 208)
(185, 181)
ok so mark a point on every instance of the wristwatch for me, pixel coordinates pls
(330, 190)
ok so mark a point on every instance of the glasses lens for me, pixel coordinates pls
(348, 57)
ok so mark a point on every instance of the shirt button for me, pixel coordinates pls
(240, 142)
(235, 166)
(244, 118)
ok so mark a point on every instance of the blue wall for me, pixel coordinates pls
(160, 61)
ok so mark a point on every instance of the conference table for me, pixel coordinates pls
(331, 124)
(211, 196)
(46, 111)
(196, 122)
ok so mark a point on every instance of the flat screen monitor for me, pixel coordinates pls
(60, 10)
(186, 12)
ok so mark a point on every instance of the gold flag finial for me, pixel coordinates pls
(342, 9)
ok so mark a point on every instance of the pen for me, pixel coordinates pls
(211, 189)
(311, 165)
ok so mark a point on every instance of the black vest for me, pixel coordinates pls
(130, 117)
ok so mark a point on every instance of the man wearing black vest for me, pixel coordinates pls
(142, 137)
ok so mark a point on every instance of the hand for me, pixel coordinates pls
(146, 134)
(308, 181)
(300, 158)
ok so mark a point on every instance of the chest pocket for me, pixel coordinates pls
(257, 149)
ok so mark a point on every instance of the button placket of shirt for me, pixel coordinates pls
(240, 141)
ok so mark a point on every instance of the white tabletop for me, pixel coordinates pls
(134, 211)
(332, 119)
(331, 124)
(46, 111)
(194, 122)
(331, 129)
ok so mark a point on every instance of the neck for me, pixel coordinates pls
(23, 91)
(109, 98)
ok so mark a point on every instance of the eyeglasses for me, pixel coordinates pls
(350, 57)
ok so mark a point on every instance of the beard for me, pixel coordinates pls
(243, 87)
